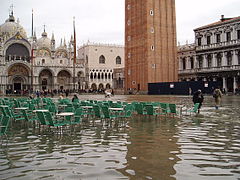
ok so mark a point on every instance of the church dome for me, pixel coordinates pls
(10, 28)
(44, 41)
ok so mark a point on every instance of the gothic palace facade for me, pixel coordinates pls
(215, 55)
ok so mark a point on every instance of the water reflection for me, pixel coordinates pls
(206, 146)
(152, 149)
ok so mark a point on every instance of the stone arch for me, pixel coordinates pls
(64, 79)
(94, 87)
(43, 52)
(46, 79)
(108, 86)
(118, 60)
(17, 51)
(18, 77)
(102, 59)
(101, 86)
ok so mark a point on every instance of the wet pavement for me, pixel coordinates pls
(206, 146)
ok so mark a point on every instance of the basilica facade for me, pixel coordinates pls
(31, 63)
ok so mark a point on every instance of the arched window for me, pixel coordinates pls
(102, 59)
(118, 60)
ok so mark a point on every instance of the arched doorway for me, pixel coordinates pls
(108, 86)
(46, 79)
(64, 79)
(18, 78)
(18, 84)
(94, 87)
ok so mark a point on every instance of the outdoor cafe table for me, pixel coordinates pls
(4, 106)
(21, 108)
(65, 114)
(40, 110)
(115, 111)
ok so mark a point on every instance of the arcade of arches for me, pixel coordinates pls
(94, 86)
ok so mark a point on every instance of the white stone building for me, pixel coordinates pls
(101, 60)
(215, 56)
(36, 63)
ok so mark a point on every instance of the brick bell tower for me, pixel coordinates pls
(150, 43)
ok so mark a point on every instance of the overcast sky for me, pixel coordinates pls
(102, 21)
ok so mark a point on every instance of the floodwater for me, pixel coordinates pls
(200, 147)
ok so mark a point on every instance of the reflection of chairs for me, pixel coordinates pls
(173, 109)
(194, 109)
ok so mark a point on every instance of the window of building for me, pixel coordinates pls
(184, 63)
(192, 63)
(43, 61)
(129, 22)
(129, 38)
(128, 6)
(209, 61)
(61, 61)
(200, 62)
(151, 12)
(129, 71)
(152, 48)
(199, 41)
(154, 66)
(238, 34)
(228, 36)
(229, 59)
(238, 57)
(218, 38)
(208, 40)
(129, 55)
(219, 60)
(118, 60)
(102, 59)
(152, 30)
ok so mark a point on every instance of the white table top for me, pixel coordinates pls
(21, 108)
(65, 114)
(116, 109)
(62, 105)
(40, 110)
(86, 107)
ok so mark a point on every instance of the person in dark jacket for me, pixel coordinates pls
(198, 98)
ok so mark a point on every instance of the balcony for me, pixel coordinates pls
(218, 45)
(210, 69)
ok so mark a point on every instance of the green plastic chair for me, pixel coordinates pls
(51, 120)
(194, 109)
(4, 125)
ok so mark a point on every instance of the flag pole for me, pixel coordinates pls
(75, 55)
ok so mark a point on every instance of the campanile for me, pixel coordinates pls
(150, 43)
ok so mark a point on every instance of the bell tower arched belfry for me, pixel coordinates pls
(150, 43)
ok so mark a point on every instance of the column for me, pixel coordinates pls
(234, 84)
(235, 57)
(180, 64)
(224, 83)
(215, 60)
(224, 59)
(204, 61)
